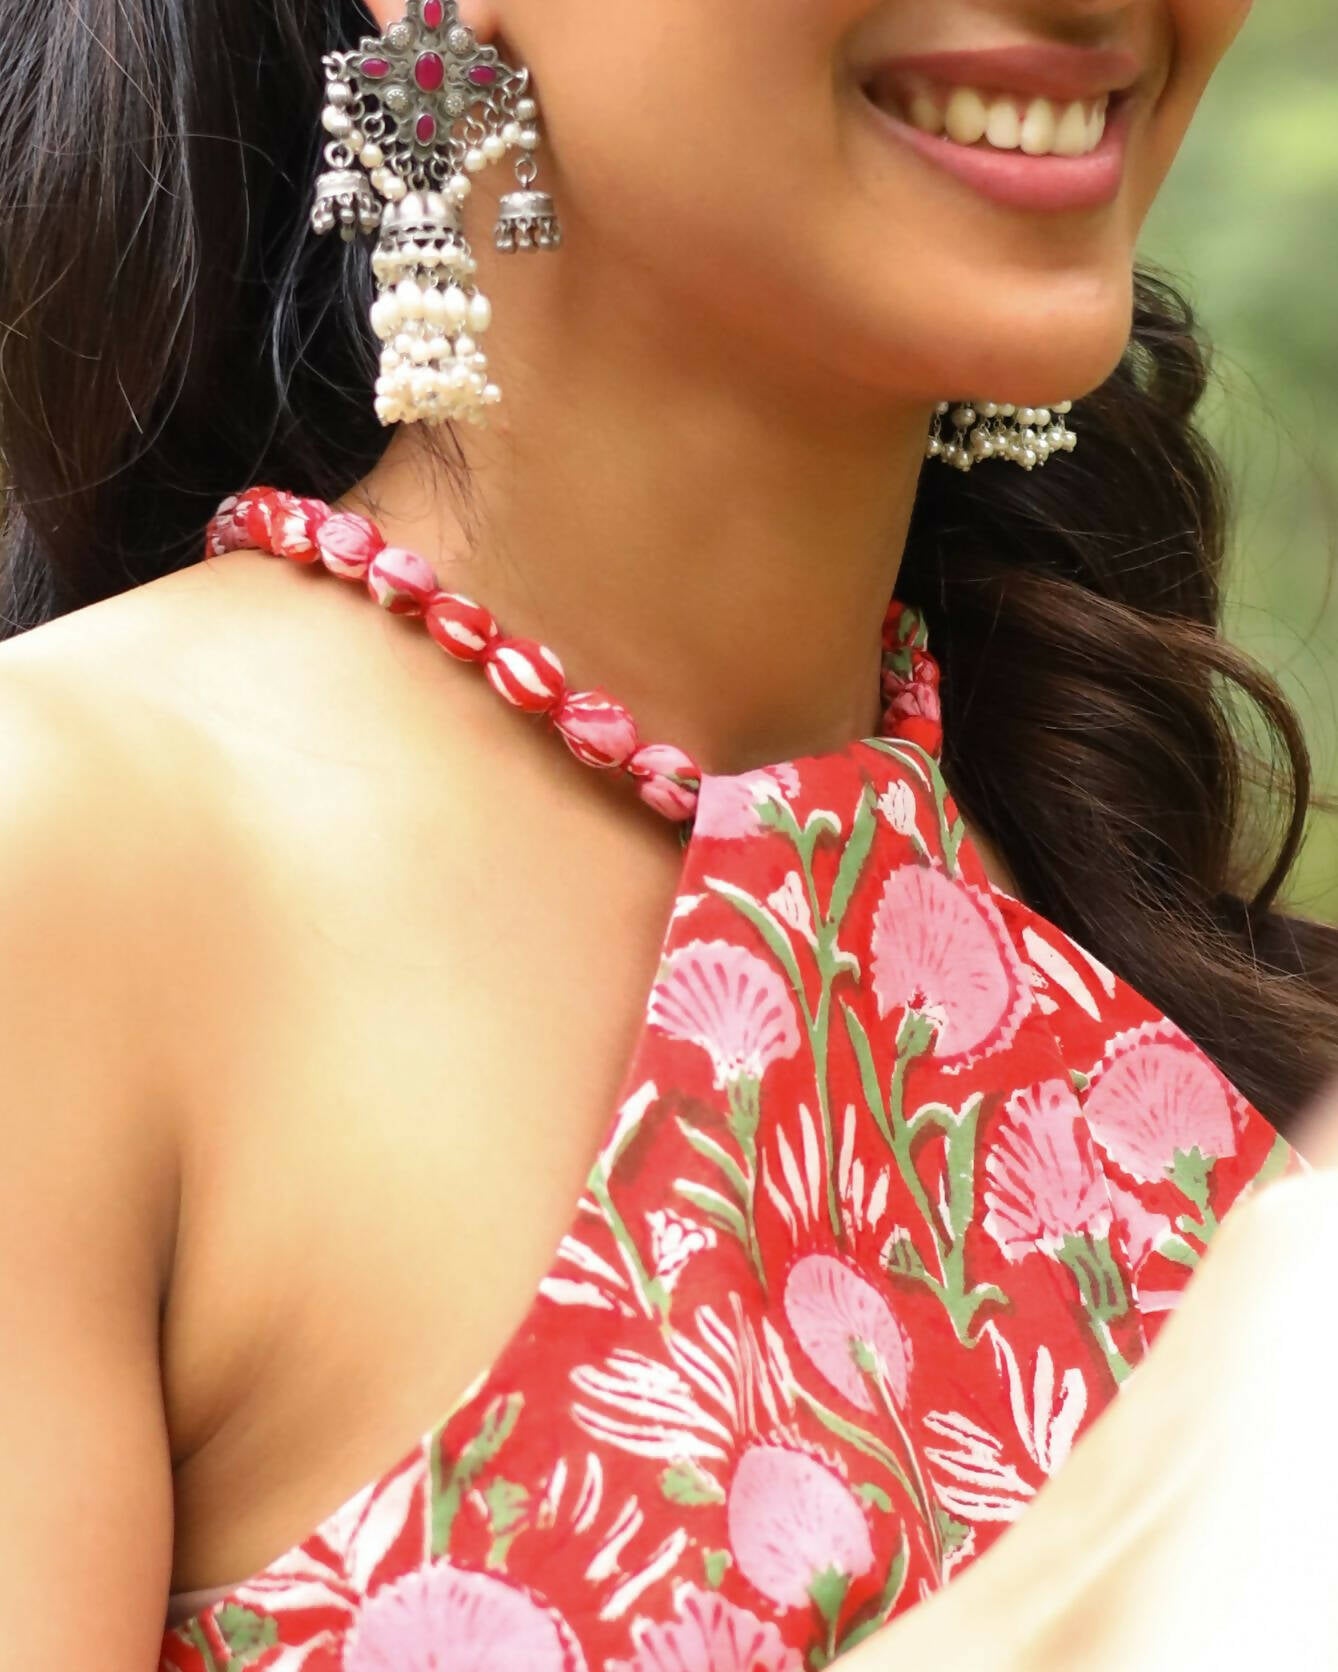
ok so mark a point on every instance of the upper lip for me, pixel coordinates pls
(1048, 71)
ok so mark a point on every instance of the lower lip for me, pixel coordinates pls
(1052, 184)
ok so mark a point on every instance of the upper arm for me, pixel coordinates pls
(85, 1213)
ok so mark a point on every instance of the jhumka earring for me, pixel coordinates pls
(411, 115)
(1024, 435)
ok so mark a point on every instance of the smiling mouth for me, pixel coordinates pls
(979, 117)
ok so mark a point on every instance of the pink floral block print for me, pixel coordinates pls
(898, 1185)
(847, 1329)
(731, 1003)
(1154, 1096)
(482, 1620)
(792, 1519)
(941, 947)
(1043, 1185)
(735, 807)
(708, 1634)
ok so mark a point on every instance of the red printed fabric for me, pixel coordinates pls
(899, 1186)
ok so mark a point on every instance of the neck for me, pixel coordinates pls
(713, 550)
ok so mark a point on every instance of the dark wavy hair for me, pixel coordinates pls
(171, 333)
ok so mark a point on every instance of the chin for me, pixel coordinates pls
(1035, 343)
(1033, 365)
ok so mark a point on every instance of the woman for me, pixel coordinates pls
(772, 1150)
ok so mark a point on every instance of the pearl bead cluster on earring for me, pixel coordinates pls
(1023, 435)
(390, 111)
(431, 364)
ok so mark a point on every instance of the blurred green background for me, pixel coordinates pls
(1249, 222)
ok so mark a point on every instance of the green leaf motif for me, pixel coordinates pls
(1190, 1173)
(1275, 1163)
(821, 822)
(869, 1493)
(903, 1257)
(715, 1562)
(916, 1034)
(828, 1590)
(875, 1616)
(506, 1500)
(715, 1206)
(1174, 1248)
(716, 1153)
(246, 1634)
(681, 1483)
(448, 1493)
(868, 1073)
(767, 924)
(854, 857)
(952, 1532)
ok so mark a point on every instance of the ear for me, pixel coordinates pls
(478, 15)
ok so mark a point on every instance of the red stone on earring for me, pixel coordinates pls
(482, 75)
(429, 71)
(375, 68)
(425, 128)
(432, 14)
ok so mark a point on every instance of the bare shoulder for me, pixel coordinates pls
(133, 738)
(201, 764)
(78, 852)
(88, 1182)
(241, 665)
(101, 758)
(184, 650)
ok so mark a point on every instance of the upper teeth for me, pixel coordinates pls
(1040, 127)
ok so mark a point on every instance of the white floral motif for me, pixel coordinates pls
(722, 1386)
(1060, 970)
(790, 904)
(674, 1240)
(795, 1182)
(599, 1286)
(897, 805)
(974, 1475)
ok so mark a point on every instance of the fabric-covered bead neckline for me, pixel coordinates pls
(597, 728)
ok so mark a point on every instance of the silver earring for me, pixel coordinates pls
(1024, 435)
(397, 166)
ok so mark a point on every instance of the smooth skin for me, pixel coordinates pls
(319, 967)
